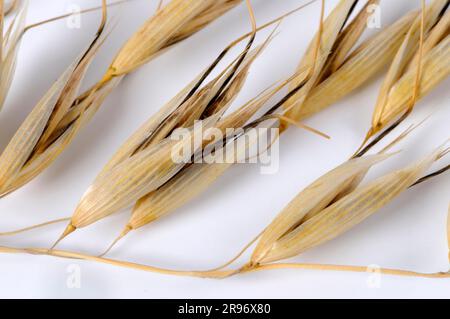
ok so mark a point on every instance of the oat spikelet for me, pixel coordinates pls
(347, 212)
(194, 179)
(148, 164)
(60, 123)
(312, 200)
(37, 142)
(421, 63)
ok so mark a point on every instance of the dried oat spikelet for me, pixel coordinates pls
(348, 211)
(326, 190)
(421, 63)
(68, 119)
(217, 95)
(194, 178)
(130, 180)
(37, 143)
(145, 162)
(313, 199)
(173, 23)
(208, 15)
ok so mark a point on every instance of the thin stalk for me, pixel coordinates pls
(222, 273)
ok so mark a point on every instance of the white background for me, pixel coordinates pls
(410, 233)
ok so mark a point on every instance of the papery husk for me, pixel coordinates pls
(156, 33)
(23, 149)
(158, 204)
(348, 211)
(144, 162)
(323, 42)
(349, 36)
(11, 40)
(169, 117)
(435, 69)
(405, 175)
(436, 35)
(362, 65)
(70, 114)
(423, 23)
(134, 177)
(42, 160)
(215, 10)
(86, 106)
(195, 178)
(314, 199)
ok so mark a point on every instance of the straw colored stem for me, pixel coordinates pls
(345, 268)
(219, 274)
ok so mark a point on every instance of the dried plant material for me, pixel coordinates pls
(349, 36)
(347, 212)
(25, 156)
(363, 64)
(66, 119)
(424, 45)
(75, 110)
(435, 69)
(130, 180)
(323, 42)
(218, 274)
(329, 207)
(313, 199)
(437, 33)
(9, 46)
(195, 178)
(217, 95)
(174, 193)
(145, 163)
(156, 32)
(208, 15)
(10, 41)
(150, 166)
(85, 106)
